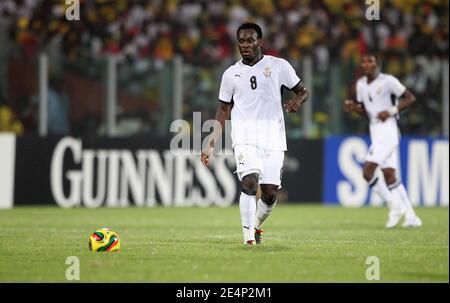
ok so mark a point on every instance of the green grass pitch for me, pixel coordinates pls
(303, 243)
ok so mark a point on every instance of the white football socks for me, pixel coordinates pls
(262, 212)
(380, 187)
(247, 207)
(400, 194)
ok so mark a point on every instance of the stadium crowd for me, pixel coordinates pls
(412, 35)
(206, 29)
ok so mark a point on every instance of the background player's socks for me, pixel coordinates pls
(399, 192)
(380, 187)
(262, 212)
(247, 207)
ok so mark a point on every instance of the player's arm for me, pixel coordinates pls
(226, 92)
(406, 100)
(222, 114)
(351, 106)
(301, 96)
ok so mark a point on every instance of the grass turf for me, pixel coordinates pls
(303, 243)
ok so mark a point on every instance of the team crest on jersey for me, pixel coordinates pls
(379, 90)
(267, 72)
(241, 157)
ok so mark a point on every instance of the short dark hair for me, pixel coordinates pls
(375, 55)
(250, 25)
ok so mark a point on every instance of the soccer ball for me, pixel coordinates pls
(104, 239)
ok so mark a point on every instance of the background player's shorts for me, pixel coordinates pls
(384, 155)
(252, 159)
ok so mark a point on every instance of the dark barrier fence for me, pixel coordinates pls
(142, 171)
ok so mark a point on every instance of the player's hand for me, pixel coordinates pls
(206, 156)
(383, 115)
(292, 106)
(349, 105)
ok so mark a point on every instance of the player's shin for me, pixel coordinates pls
(247, 208)
(380, 187)
(262, 212)
(399, 192)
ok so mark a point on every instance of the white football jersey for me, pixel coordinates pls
(257, 113)
(377, 96)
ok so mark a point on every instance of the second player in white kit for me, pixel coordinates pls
(250, 92)
(378, 96)
(381, 97)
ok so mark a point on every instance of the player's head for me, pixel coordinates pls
(370, 64)
(249, 37)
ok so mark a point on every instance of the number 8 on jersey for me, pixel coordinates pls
(253, 82)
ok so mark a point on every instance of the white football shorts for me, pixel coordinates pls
(384, 155)
(252, 159)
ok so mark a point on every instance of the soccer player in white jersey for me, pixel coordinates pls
(381, 97)
(251, 91)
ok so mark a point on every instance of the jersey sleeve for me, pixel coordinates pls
(226, 88)
(288, 75)
(396, 87)
(359, 97)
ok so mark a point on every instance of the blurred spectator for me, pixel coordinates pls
(58, 109)
(9, 121)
